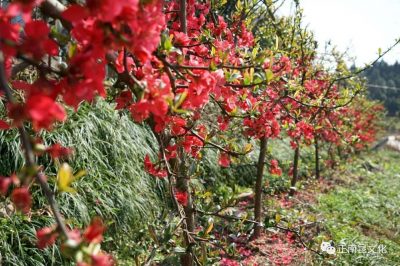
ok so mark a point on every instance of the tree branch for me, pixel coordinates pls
(29, 154)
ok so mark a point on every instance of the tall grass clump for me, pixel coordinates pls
(110, 148)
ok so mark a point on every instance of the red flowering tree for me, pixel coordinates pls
(176, 66)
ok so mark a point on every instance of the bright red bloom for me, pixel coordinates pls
(223, 122)
(124, 100)
(228, 262)
(152, 169)
(36, 42)
(155, 102)
(178, 126)
(22, 199)
(44, 111)
(5, 183)
(46, 236)
(181, 197)
(8, 31)
(25, 6)
(224, 159)
(192, 145)
(302, 129)
(181, 38)
(58, 151)
(102, 259)
(274, 168)
(120, 64)
(94, 232)
(4, 125)
(200, 88)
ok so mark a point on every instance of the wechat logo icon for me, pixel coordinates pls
(328, 247)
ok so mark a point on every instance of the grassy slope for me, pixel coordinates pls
(366, 210)
(358, 203)
(111, 148)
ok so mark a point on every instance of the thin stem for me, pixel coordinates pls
(29, 154)
(258, 208)
(182, 16)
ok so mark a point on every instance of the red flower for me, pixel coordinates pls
(181, 38)
(94, 233)
(120, 64)
(228, 262)
(102, 259)
(181, 197)
(4, 125)
(75, 14)
(58, 151)
(44, 111)
(46, 237)
(223, 122)
(178, 126)
(37, 42)
(151, 168)
(123, 100)
(5, 183)
(192, 145)
(274, 168)
(224, 159)
(22, 199)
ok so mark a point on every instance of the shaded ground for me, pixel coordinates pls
(356, 207)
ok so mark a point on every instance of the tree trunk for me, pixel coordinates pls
(187, 258)
(258, 188)
(317, 170)
(183, 182)
(183, 185)
(182, 16)
(339, 152)
(295, 168)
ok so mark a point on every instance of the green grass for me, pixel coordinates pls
(111, 148)
(367, 211)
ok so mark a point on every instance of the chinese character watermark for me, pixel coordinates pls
(353, 248)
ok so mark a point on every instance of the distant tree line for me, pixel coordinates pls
(384, 85)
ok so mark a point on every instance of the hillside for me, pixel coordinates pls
(384, 85)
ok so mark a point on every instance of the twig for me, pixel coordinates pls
(232, 153)
(29, 154)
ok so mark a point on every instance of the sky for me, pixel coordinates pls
(359, 26)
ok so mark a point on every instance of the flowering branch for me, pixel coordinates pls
(29, 154)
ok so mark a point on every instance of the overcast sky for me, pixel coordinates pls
(362, 26)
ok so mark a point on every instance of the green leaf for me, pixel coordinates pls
(179, 250)
(269, 75)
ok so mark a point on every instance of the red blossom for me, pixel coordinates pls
(124, 100)
(181, 38)
(4, 125)
(58, 151)
(152, 169)
(120, 64)
(178, 125)
(36, 42)
(46, 236)
(228, 262)
(274, 168)
(22, 199)
(94, 232)
(223, 122)
(181, 197)
(102, 259)
(224, 159)
(192, 145)
(44, 111)
(5, 183)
